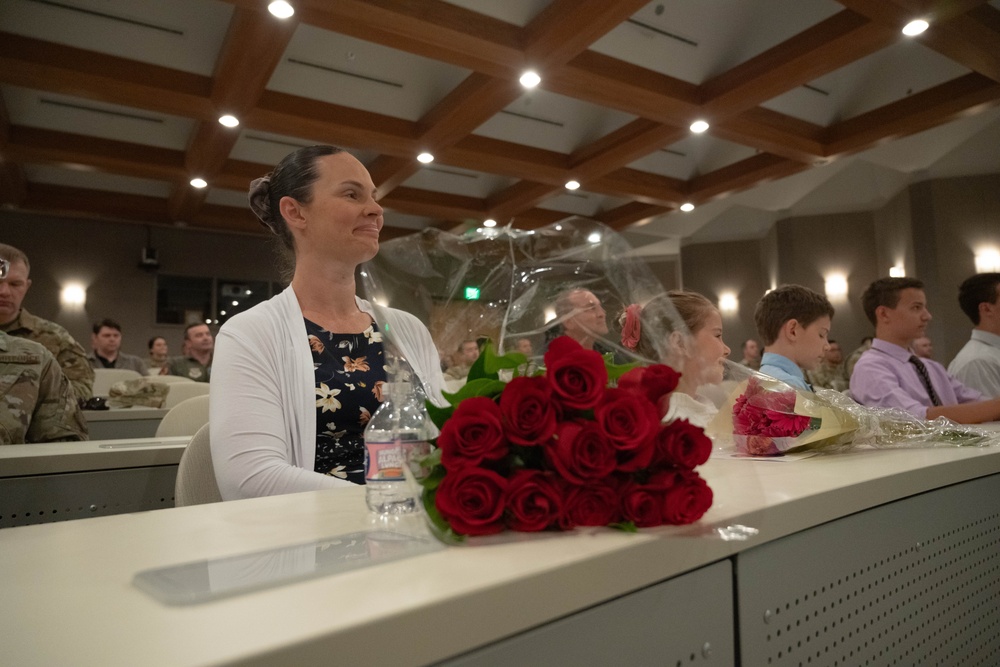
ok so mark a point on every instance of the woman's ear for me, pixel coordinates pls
(291, 211)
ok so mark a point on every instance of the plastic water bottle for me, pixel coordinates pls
(397, 433)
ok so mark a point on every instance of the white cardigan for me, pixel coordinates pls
(263, 398)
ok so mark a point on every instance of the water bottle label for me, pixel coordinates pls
(384, 461)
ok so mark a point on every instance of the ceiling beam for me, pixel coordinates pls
(33, 63)
(101, 204)
(429, 28)
(37, 146)
(921, 111)
(821, 49)
(628, 214)
(252, 49)
(966, 31)
(641, 186)
(742, 175)
(521, 196)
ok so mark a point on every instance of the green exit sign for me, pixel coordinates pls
(471, 293)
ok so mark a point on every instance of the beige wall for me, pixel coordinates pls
(962, 217)
(104, 256)
(738, 266)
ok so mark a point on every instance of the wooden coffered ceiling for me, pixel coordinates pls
(110, 107)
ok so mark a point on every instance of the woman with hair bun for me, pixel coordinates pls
(295, 379)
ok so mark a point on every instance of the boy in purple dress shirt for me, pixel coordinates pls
(890, 375)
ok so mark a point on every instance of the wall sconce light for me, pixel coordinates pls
(728, 303)
(988, 261)
(550, 314)
(836, 286)
(73, 295)
(897, 271)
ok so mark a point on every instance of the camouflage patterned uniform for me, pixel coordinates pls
(71, 356)
(187, 367)
(829, 377)
(37, 403)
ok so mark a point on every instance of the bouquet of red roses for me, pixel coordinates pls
(561, 448)
(771, 418)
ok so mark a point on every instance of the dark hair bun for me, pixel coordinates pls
(260, 202)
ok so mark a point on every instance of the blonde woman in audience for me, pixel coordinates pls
(296, 378)
(693, 347)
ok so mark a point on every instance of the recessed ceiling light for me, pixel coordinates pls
(558, 228)
(425, 158)
(699, 126)
(198, 183)
(530, 79)
(229, 121)
(572, 185)
(281, 9)
(915, 27)
(687, 207)
(595, 237)
(489, 223)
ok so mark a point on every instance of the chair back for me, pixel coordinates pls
(105, 377)
(196, 483)
(181, 391)
(185, 418)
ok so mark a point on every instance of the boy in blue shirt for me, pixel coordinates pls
(794, 323)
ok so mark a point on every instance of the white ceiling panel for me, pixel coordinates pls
(458, 181)
(694, 40)
(554, 122)
(180, 34)
(342, 70)
(52, 111)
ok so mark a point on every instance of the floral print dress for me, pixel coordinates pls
(350, 373)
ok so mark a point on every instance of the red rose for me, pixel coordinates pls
(591, 505)
(472, 434)
(577, 376)
(687, 500)
(580, 452)
(630, 423)
(529, 414)
(642, 505)
(683, 444)
(653, 382)
(471, 500)
(534, 500)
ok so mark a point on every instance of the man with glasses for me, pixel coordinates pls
(37, 403)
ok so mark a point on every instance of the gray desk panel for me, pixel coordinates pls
(915, 582)
(60, 497)
(685, 621)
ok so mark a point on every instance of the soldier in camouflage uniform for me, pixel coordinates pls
(37, 403)
(18, 322)
(830, 374)
(196, 362)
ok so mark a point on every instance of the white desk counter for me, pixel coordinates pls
(68, 596)
(47, 458)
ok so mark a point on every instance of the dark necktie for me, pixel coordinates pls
(926, 379)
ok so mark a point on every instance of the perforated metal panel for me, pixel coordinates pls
(48, 498)
(916, 582)
(683, 622)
